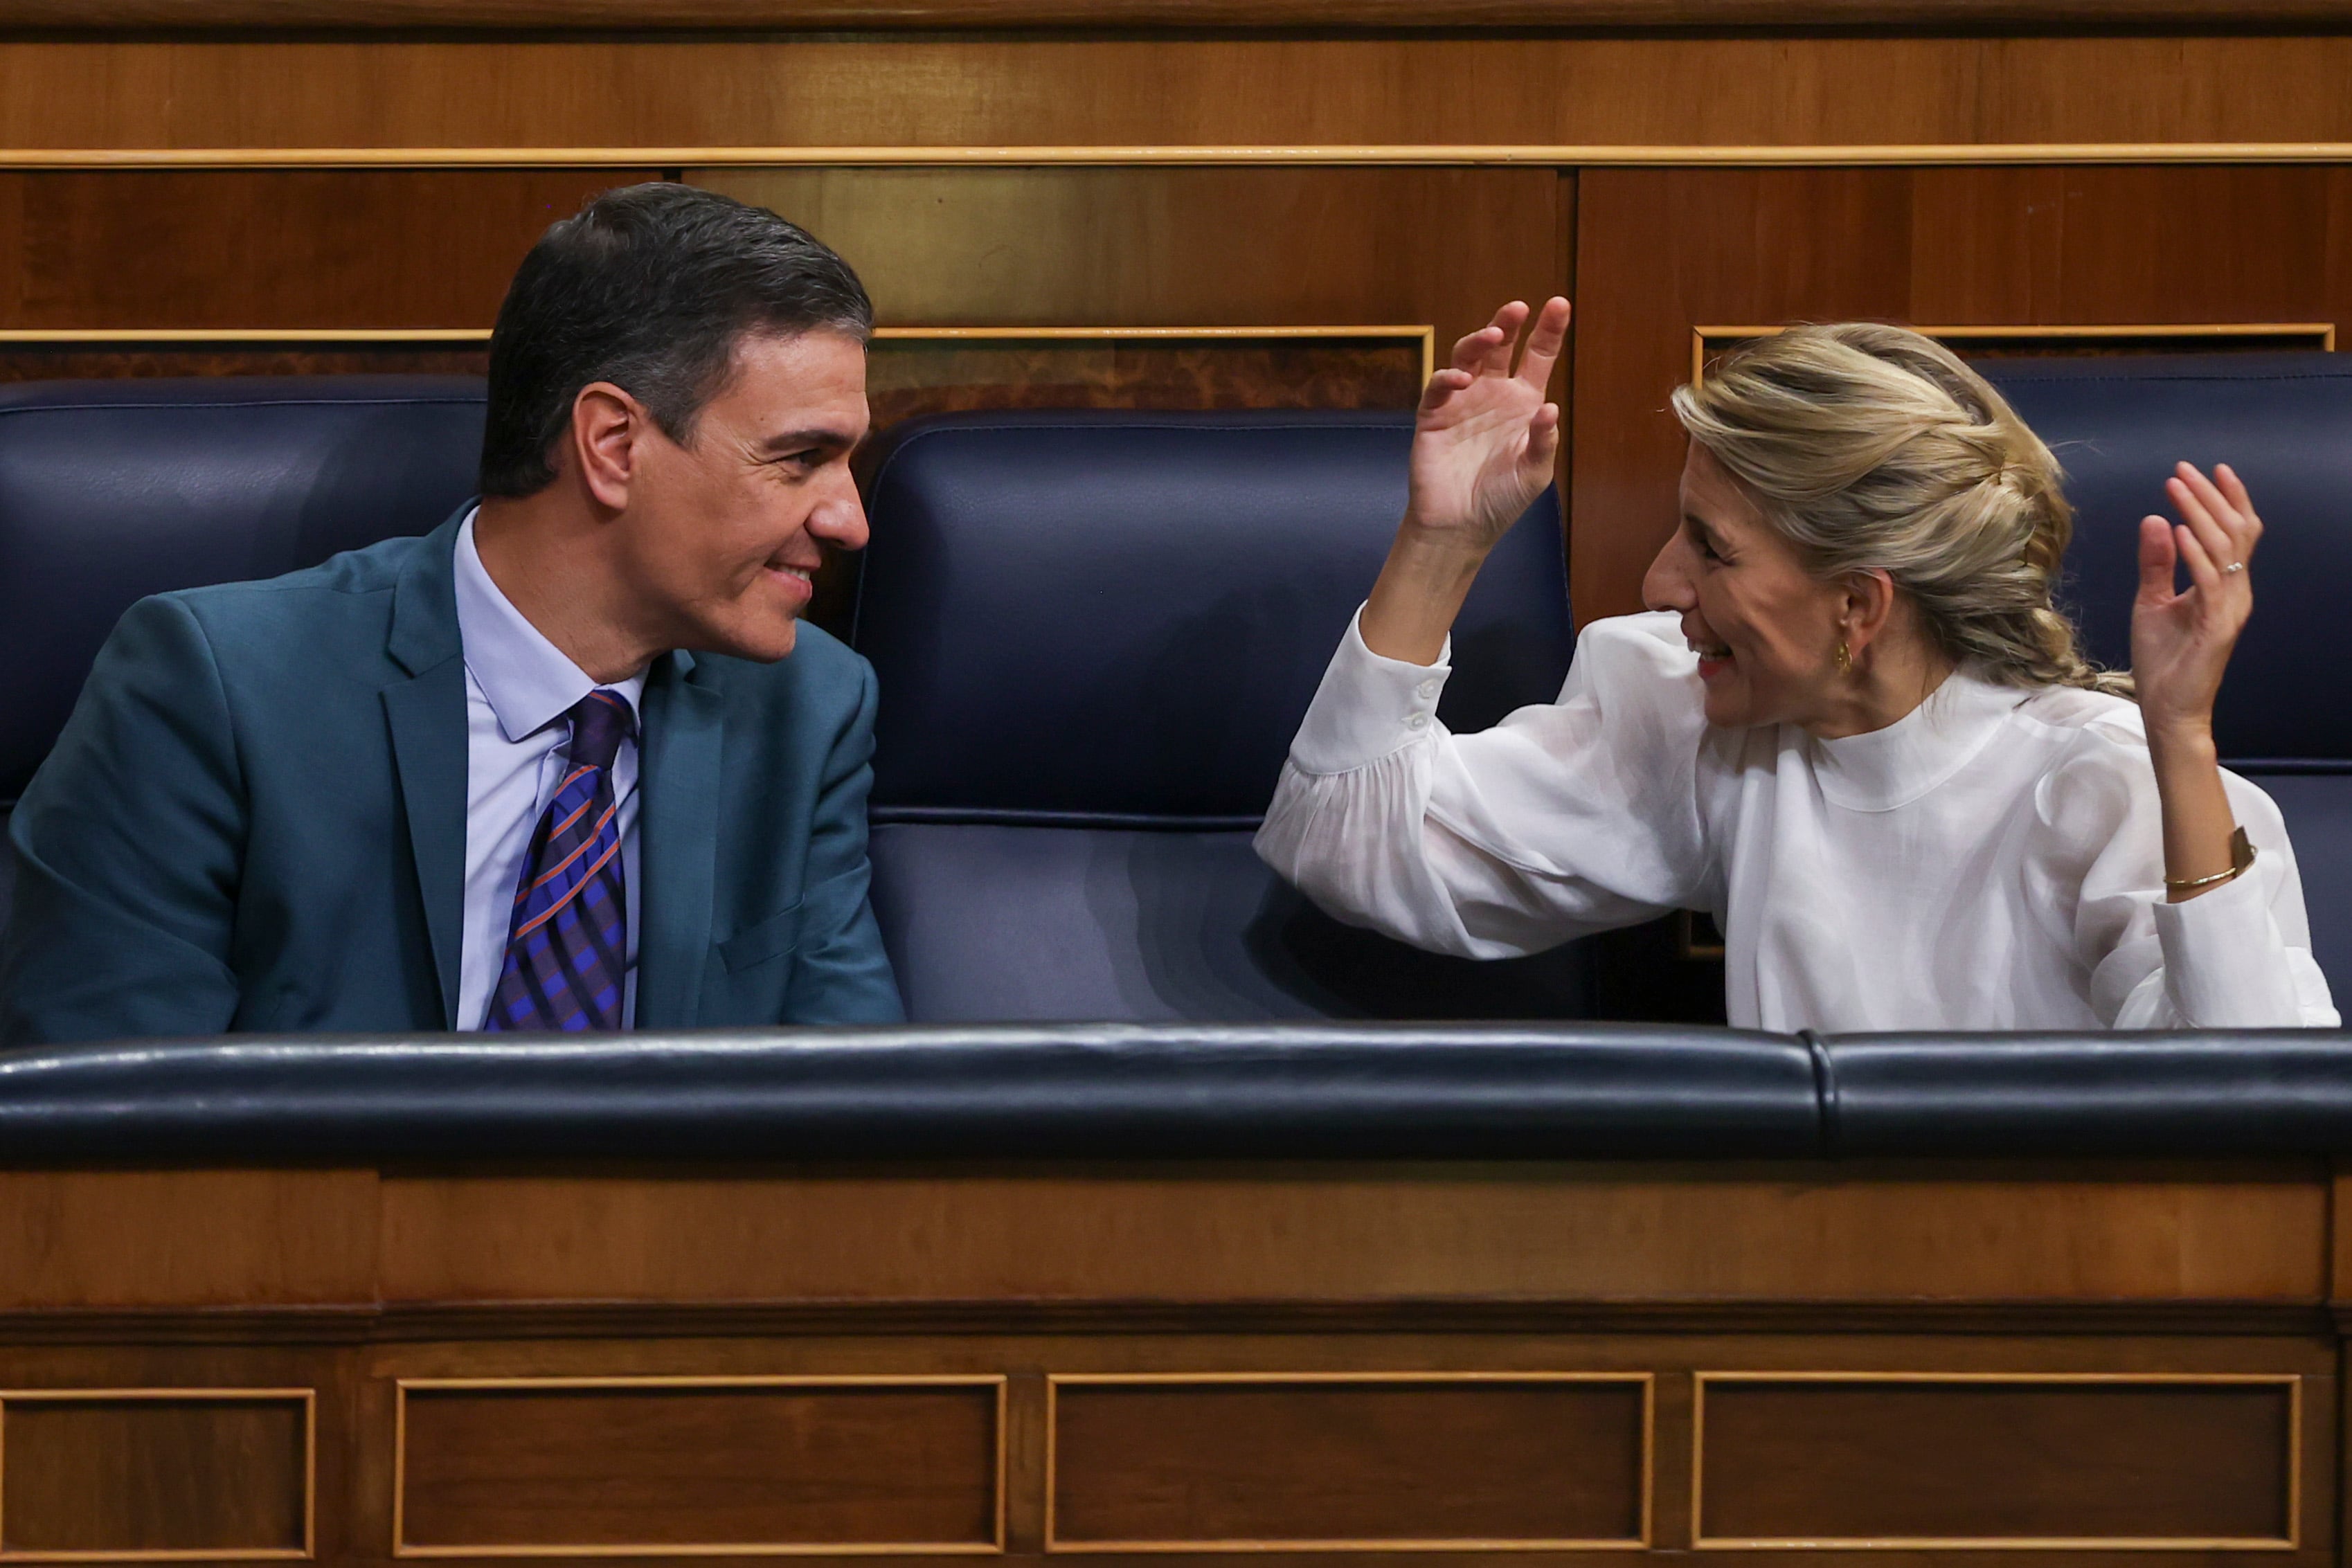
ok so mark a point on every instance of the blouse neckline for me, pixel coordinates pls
(1887, 768)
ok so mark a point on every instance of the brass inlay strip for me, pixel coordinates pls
(1055, 1381)
(308, 1398)
(2291, 1382)
(1592, 156)
(402, 1547)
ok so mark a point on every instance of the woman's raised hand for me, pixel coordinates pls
(1485, 439)
(2181, 641)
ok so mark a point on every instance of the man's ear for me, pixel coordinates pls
(608, 431)
(1869, 601)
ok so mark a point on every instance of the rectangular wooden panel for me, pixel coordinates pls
(752, 1465)
(1228, 1462)
(2205, 1461)
(186, 1238)
(818, 91)
(275, 248)
(1857, 1231)
(178, 1473)
(1663, 252)
(1143, 247)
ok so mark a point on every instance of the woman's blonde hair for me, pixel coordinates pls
(1871, 447)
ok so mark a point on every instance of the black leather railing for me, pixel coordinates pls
(1373, 1092)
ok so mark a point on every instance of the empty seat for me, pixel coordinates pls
(110, 491)
(2285, 423)
(1096, 634)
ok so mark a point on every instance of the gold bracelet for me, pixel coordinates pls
(2242, 855)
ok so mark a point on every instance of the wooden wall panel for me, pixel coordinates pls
(1182, 248)
(82, 1239)
(671, 1463)
(1687, 91)
(274, 248)
(1663, 251)
(1196, 1461)
(213, 1474)
(2190, 1463)
(1459, 1233)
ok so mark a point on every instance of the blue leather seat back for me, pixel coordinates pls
(2285, 423)
(110, 491)
(1096, 634)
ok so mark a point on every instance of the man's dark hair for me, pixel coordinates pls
(650, 287)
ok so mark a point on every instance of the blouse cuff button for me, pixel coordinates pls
(1417, 721)
(1427, 689)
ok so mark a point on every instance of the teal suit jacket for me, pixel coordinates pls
(255, 821)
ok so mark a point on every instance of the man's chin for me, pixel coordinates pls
(762, 644)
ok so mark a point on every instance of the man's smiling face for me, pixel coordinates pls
(725, 531)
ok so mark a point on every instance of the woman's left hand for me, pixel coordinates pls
(2180, 643)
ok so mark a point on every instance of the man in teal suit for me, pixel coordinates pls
(568, 762)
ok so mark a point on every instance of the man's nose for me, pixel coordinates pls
(840, 519)
(1667, 584)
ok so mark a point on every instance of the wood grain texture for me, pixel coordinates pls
(73, 1239)
(749, 1465)
(201, 16)
(274, 248)
(1921, 1462)
(112, 1475)
(1286, 1233)
(1181, 248)
(20, 363)
(1663, 251)
(1192, 1462)
(1229, 92)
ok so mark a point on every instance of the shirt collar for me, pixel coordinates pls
(1893, 767)
(529, 682)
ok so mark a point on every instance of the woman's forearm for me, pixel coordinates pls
(1419, 591)
(2198, 823)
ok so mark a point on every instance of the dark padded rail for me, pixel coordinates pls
(1076, 1091)
(1186, 1092)
(2246, 1091)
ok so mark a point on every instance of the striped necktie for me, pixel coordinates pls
(567, 952)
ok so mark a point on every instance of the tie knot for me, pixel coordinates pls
(600, 721)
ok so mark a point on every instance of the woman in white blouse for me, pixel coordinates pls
(1852, 725)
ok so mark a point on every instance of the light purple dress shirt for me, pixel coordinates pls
(518, 687)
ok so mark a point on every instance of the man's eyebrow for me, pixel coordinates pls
(800, 440)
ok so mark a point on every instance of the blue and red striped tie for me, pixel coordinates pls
(567, 949)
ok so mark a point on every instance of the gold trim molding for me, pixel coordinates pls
(2291, 1382)
(1057, 1382)
(1590, 156)
(307, 1397)
(403, 1547)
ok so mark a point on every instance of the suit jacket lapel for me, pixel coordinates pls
(678, 843)
(426, 714)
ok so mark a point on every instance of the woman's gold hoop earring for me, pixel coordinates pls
(1844, 659)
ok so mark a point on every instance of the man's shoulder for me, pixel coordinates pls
(330, 590)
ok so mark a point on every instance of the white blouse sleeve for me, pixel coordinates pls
(1562, 820)
(2236, 956)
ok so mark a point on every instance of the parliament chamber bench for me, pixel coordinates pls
(1173, 1224)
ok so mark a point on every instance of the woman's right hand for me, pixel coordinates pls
(1485, 439)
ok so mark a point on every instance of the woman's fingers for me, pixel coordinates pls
(1442, 387)
(1470, 352)
(2234, 490)
(2197, 505)
(1543, 439)
(1544, 341)
(2156, 560)
(2203, 571)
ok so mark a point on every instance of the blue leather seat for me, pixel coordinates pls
(2285, 423)
(1096, 635)
(110, 491)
